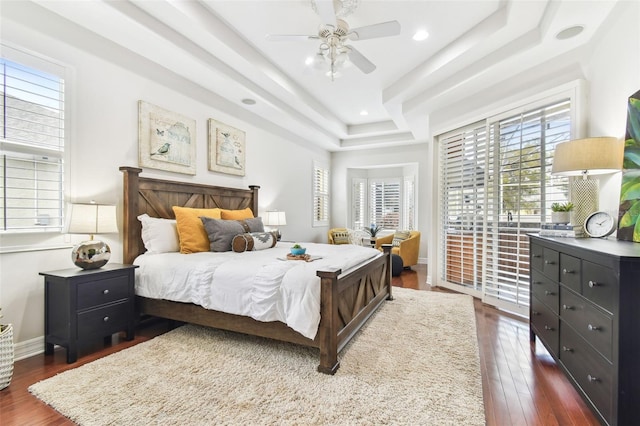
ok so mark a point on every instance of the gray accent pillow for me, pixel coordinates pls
(221, 232)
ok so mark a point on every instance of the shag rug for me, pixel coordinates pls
(415, 362)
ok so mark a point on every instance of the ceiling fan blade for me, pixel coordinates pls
(383, 29)
(359, 60)
(290, 37)
(326, 11)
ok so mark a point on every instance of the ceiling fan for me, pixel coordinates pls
(334, 34)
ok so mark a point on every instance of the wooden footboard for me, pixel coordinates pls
(346, 304)
(347, 299)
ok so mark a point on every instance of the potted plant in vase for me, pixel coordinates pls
(372, 230)
(6, 354)
(561, 212)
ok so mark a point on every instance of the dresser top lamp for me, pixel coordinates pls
(587, 157)
(91, 219)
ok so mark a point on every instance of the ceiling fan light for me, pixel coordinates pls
(318, 61)
(333, 74)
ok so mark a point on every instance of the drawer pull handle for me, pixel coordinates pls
(593, 327)
(548, 262)
(537, 256)
(546, 327)
(593, 284)
(567, 349)
(105, 291)
(548, 293)
(568, 271)
(105, 319)
(537, 282)
(592, 378)
(535, 313)
(567, 307)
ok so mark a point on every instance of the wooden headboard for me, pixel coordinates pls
(156, 198)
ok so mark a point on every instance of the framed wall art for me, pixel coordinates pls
(226, 149)
(629, 210)
(166, 140)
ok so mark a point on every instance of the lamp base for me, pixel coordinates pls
(585, 193)
(92, 254)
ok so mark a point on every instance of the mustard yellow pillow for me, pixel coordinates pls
(191, 232)
(236, 214)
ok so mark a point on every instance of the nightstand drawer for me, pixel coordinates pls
(103, 321)
(594, 326)
(570, 272)
(600, 285)
(545, 323)
(591, 371)
(99, 292)
(545, 290)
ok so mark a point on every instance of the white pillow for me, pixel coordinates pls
(159, 235)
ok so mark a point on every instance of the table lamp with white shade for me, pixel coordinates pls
(586, 157)
(91, 219)
(275, 219)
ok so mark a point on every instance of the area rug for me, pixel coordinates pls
(415, 362)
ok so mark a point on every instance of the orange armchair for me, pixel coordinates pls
(408, 249)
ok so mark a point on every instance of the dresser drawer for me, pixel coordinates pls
(550, 263)
(593, 373)
(600, 285)
(545, 324)
(103, 321)
(594, 326)
(545, 290)
(99, 292)
(536, 257)
(570, 271)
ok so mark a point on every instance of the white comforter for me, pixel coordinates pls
(260, 284)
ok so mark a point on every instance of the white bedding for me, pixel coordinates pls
(257, 284)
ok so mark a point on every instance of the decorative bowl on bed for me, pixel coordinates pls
(296, 250)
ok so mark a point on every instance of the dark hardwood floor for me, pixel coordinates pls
(521, 383)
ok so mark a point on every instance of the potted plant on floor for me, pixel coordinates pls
(6, 354)
(561, 212)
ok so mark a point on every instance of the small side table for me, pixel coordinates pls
(81, 305)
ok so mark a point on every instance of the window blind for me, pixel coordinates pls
(320, 195)
(359, 203)
(32, 148)
(384, 203)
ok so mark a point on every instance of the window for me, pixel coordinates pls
(320, 195)
(387, 202)
(496, 186)
(31, 149)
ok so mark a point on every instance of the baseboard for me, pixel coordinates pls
(28, 348)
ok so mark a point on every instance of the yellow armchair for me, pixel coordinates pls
(408, 249)
(338, 235)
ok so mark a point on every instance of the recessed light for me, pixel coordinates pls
(308, 61)
(569, 32)
(249, 101)
(420, 35)
(364, 112)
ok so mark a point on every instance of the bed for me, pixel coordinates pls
(347, 298)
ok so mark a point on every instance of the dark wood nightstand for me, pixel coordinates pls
(82, 305)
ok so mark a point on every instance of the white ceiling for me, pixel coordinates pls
(221, 46)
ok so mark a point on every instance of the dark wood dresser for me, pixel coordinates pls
(585, 309)
(83, 305)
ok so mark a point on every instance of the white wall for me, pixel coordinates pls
(613, 70)
(104, 136)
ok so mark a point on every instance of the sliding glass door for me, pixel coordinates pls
(496, 187)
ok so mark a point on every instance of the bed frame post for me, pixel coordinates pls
(386, 248)
(254, 206)
(130, 200)
(328, 330)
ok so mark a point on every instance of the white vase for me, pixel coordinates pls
(6, 355)
(560, 217)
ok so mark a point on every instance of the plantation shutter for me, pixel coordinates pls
(32, 148)
(359, 203)
(320, 195)
(384, 203)
(521, 190)
(408, 210)
(463, 157)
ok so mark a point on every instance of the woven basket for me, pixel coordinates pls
(6, 356)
